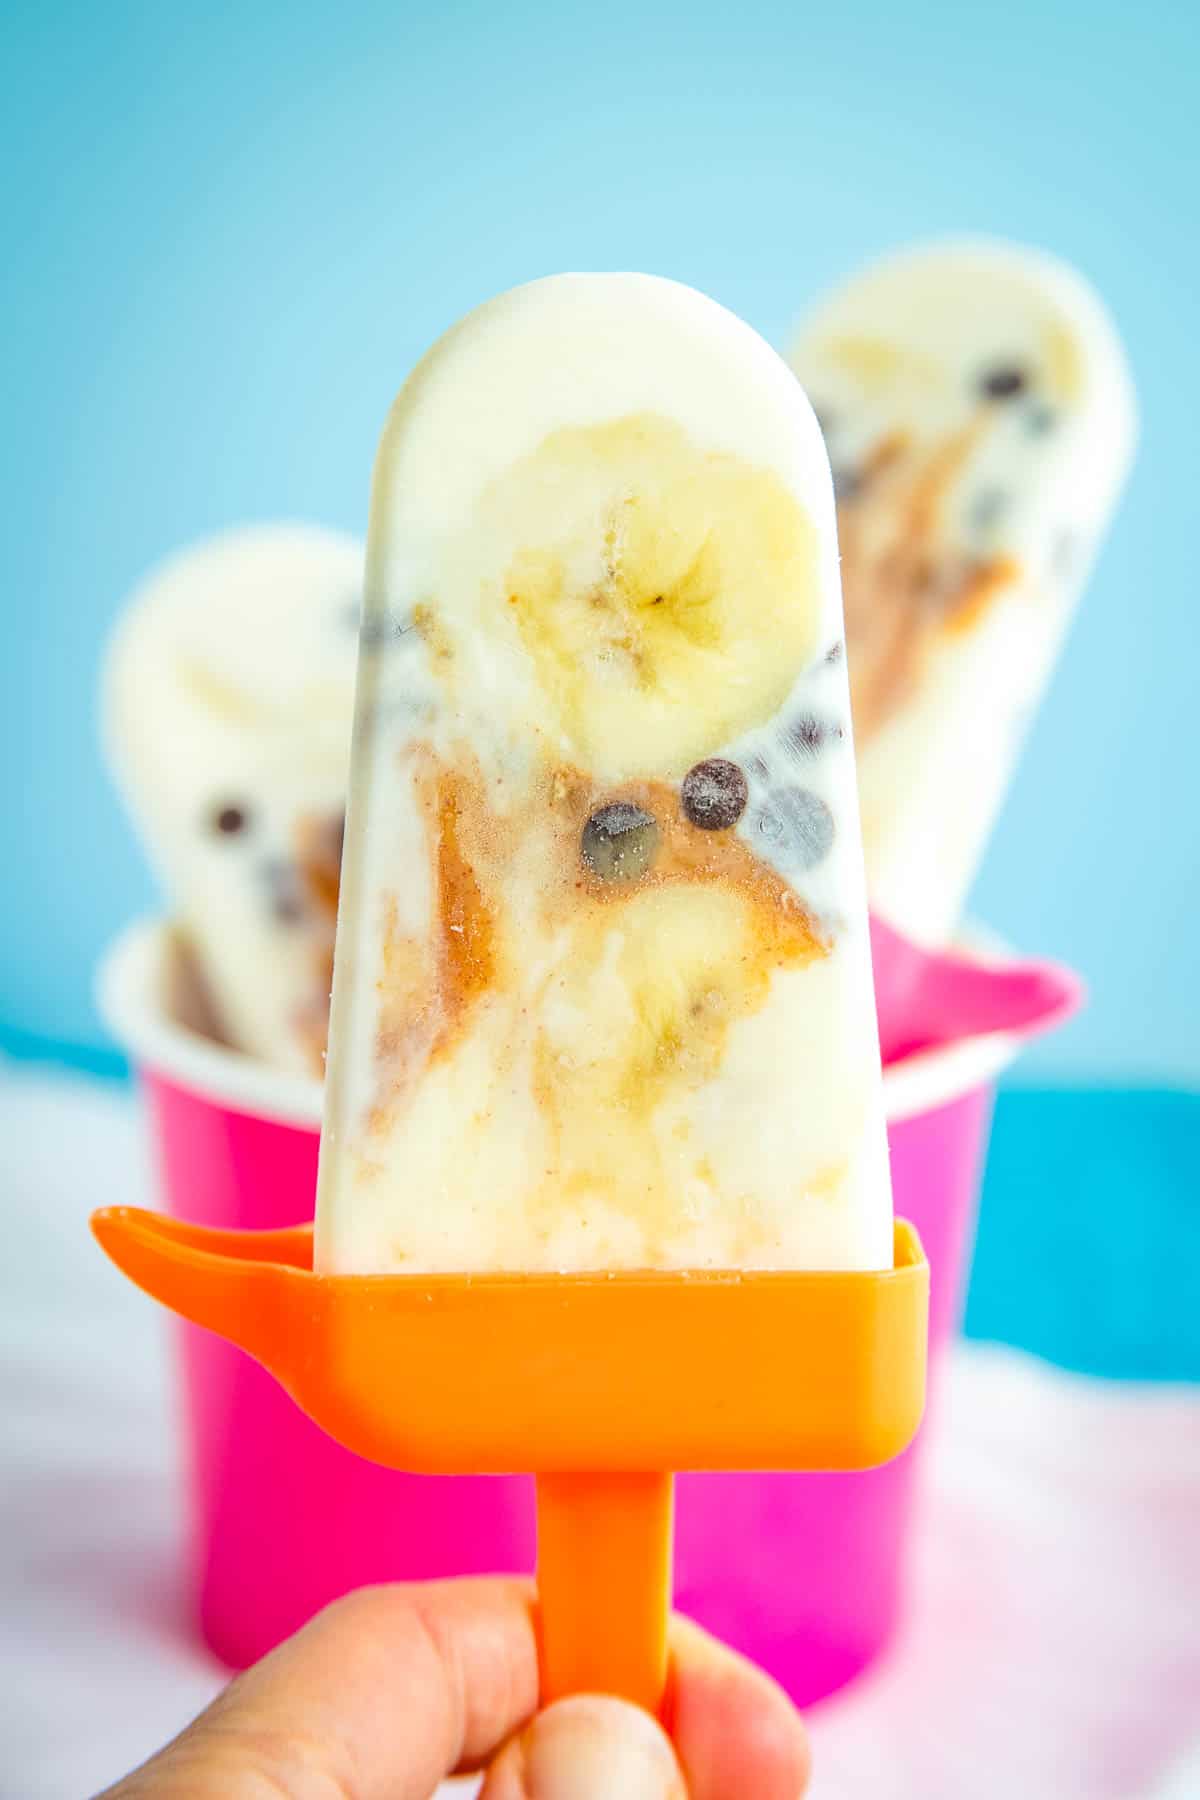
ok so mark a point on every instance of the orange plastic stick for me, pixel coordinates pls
(604, 1582)
(580, 1379)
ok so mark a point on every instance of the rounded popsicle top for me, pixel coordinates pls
(228, 697)
(1005, 353)
(580, 349)
(633, 476)
(979, 417)
(228, 688)
(244, 642)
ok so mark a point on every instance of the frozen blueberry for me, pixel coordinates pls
(714, 794)
(229, 819)
(619, 841)
(809, 735)
(801, 821)
(1003, 382)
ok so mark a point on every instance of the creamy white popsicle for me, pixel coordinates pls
(228, 704)
(979, 416)
(603, 993)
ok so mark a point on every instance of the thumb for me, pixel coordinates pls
(589, 1747)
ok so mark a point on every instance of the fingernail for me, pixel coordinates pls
(595, 1748)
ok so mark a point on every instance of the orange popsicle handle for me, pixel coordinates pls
(560, 1374)
(577, 1378)
(604, 1585)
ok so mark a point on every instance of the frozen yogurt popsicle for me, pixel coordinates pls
(979, 417)
(228, 704)
(603, 993)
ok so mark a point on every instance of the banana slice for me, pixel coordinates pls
(603, 994)
(979, 415)
(658, 588)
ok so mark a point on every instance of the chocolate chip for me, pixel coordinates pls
(229, 819)
(809, 735)
(799, 820)
(1003, 382)
(714, 794)
(619, 842)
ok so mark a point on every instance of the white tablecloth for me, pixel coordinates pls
(1053, 1650)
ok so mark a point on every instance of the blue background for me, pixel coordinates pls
(233, 229)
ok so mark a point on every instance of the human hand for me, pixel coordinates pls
(394, 1688)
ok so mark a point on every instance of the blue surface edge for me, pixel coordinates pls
(1088, 1250)
(87, 1059)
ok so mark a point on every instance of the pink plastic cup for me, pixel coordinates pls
(804, 1573)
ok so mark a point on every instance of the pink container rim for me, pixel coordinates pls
(131, 988)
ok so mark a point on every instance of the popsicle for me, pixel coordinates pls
(603, 1189)
(603, 992)
(228, 702)
(979, 416)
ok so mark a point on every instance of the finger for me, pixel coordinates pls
(735, 1730)
(735, 1733)
(382, 1695)
(590, 1747)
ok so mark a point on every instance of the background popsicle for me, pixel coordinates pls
(229, 694)
(603, 991)
(979, 418)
